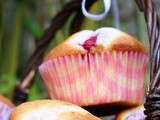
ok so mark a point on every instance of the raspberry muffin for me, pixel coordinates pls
(106, 66)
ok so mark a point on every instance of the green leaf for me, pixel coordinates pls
(7, 83)
(11, 46)
(37, 90)
(34, 28)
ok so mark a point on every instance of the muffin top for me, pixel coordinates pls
(50, 110)
(101, 40)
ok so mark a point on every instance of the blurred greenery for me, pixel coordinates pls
(23, 22)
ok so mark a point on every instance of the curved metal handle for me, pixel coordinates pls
(107, 5)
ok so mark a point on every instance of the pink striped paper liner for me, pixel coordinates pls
(92, 79)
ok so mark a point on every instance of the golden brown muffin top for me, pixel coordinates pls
(101, 40)
(50, 110)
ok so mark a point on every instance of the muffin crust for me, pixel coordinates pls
(50, 110)
(107, 39)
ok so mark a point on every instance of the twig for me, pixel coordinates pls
(79, 18)
(153, 98)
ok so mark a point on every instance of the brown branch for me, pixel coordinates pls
(153, 98)
(76, 23)
(79, 18)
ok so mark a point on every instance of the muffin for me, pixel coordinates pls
(5, 108)
(50, 110)
(132, 114)
(96, 67)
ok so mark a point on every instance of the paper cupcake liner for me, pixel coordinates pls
(4, 111)
(96, 78)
